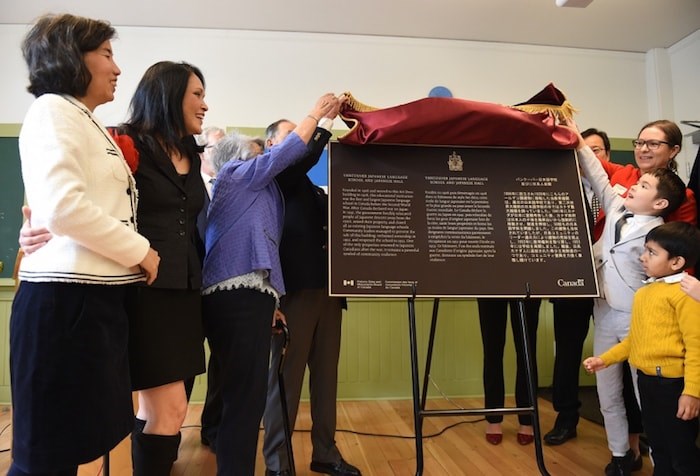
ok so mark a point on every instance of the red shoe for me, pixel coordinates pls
(494, 438)
(525, 439)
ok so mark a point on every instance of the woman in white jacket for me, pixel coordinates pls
(68, 333)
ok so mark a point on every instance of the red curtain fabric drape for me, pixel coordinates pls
(460, 122)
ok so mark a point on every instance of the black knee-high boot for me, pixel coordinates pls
(139, 425)
(153, 455)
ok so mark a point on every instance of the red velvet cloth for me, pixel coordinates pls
(549, 95)
(460, 122)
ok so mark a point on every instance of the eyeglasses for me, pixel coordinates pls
(651, 144)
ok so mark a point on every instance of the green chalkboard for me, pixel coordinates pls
(11, 200)
(623, 157)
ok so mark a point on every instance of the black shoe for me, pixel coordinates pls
(559, 435)
(620, 465)
(341, 468)
(282, 472)
(153, 455)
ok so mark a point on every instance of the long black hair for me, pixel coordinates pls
(155, 112)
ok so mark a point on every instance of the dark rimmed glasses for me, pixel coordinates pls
(651, 144)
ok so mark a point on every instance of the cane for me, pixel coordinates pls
(283, 398)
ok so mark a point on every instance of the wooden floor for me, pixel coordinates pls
(461, 450)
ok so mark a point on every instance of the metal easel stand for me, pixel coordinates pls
(420, 396)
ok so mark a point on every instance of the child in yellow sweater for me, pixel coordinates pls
(664, 345)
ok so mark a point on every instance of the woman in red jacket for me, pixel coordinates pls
(657, 145)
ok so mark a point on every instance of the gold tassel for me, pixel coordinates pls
(355, 105)
(563, 112)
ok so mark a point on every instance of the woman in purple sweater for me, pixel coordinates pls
(242, 280)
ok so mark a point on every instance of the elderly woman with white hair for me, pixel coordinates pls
(243, 279)
(234, 146)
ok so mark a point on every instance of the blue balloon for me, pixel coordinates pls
(440, 92)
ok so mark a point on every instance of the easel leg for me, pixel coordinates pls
(429, 355)
(417, 416)
(531, 386)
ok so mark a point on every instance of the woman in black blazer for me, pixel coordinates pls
(166, 338)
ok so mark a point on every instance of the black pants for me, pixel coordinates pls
(672, 440)
(571, 321)
(238, 325)
(634, 414)
(493, 315)
(211, 412)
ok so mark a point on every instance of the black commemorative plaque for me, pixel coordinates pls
(457, 221)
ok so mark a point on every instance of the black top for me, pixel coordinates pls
(167, 216)
(304, 246)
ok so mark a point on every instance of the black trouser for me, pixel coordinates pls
(672, 440)
(571, 321)
(238, 325)
(634, 414)
(211, 412)
(493, 316)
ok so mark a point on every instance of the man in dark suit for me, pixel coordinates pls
(313, 318)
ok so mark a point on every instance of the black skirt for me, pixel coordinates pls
(166, 342)
(69, 369)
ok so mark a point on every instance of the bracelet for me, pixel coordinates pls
(312, 117)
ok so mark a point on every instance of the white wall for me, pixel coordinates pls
(256, 77)
(685, 66)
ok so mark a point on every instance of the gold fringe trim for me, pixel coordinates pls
(563, 112)
(356, 105)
